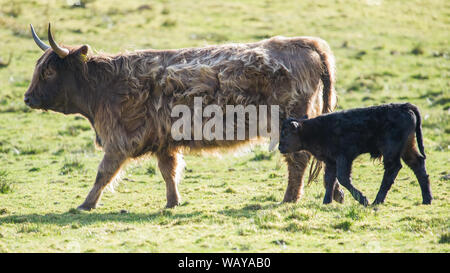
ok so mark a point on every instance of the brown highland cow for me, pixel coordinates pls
(128, 97)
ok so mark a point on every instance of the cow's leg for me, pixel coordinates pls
(297, 163)
(107, 170)
(416, 162)
(343, 171)
(171, 166)
(330, 182)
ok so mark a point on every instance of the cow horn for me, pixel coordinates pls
(38, 41)
(62, 52)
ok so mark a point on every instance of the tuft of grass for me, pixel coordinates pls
(344, 225)
(444, 238)
(417, 50)
(297, 215)
(261, 155)
(75, 226)
(29, 228)
(230, 190)
(71, 165)
(165, 11)
(267, 219)
(274, 175)
(298, 227)
(5, 185)
(356, 212)
(150, 170)
(169, 23)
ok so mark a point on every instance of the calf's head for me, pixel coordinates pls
(290, 135)
(58, 76)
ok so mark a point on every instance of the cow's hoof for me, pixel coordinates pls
(172, 204)
(338, 196)
(290, 198)
(85, 207)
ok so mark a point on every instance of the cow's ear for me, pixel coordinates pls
(82, 52)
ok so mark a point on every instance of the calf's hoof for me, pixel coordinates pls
(377, 202)
(338, 196)
(365, 202)
(426, 202)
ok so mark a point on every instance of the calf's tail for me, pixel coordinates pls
(419, 136)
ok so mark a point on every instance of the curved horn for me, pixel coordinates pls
(61, 51)
(38, 41)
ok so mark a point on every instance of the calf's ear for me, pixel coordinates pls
(294, 125)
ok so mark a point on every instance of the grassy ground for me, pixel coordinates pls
(386, 51)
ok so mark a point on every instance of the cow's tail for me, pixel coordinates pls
(328, 74)
(419, 136)
(328, 77)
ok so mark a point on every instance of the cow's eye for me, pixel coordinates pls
(49, 73)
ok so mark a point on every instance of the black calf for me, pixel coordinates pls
(338, 138)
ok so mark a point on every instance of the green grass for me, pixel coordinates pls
(230, 204)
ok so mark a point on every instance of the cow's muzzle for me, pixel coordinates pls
(32, 102)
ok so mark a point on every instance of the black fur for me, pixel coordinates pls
(338, 138)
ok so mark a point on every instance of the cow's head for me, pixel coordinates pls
(290, 135)
(57, 76)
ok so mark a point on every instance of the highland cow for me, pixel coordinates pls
(128, 97)
(337, 138)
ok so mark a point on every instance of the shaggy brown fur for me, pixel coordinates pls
(128, 97)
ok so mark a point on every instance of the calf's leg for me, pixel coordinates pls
(392, 150)
(107, 170)
(297, 163)
(416, 162)
(343, 171)
(391, 169)
(171, 165)
(329, 182)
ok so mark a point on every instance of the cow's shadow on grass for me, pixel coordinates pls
(161, 217)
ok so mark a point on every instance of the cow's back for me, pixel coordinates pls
(273, 71)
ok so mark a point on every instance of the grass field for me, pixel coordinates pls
(386, 51)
